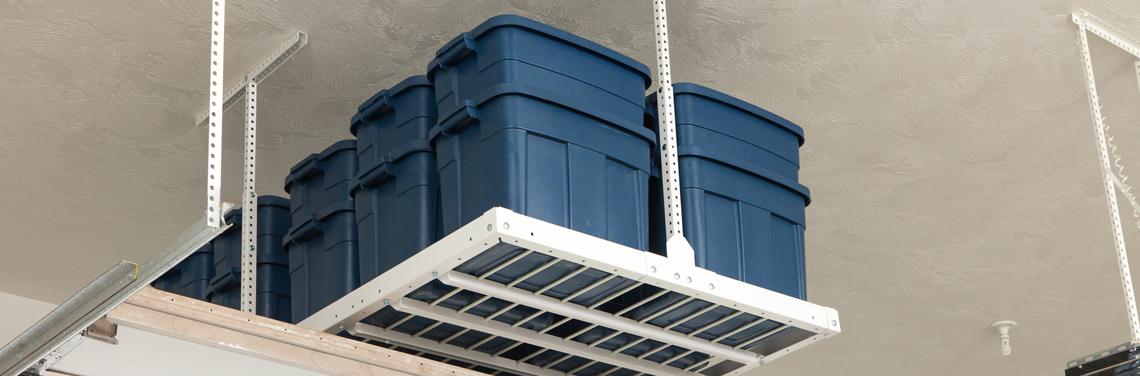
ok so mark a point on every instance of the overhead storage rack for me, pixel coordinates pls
(504, 294)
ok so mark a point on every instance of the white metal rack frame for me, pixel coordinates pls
(1112, 171)
(520, 295)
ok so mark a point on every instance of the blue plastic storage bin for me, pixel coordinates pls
(397, 194)
(191, 277)
(273, 299)
(743, 208)
(545, 123)
(321, 244)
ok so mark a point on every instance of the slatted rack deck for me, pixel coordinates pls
(514, 295)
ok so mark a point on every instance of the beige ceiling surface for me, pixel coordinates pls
(949, 150)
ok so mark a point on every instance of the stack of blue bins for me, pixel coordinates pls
(520, 115)
(213, 272)
(191, 277)
(321, 244)
(545, 123)
(396, 189)
(743, 205)
(273, 290)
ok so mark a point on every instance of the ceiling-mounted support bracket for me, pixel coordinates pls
(677, 247)
(1089, 24)
(220, 101)
(249, 203)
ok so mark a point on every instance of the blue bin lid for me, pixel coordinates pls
(511, 20)
(266, 200)
(334, 148)
(406, 84)
(694, 89)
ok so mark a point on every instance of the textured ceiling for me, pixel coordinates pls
(949, 149)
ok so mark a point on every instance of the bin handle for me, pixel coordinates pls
(379, 104)
(307, 169)
(376, 175)
(463, 116)
(307, 229)
(385, 168)
(222, 281)
(464, 46)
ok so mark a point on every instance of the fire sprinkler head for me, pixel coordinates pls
(1003, 328)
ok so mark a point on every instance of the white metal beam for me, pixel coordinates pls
(283, 53)
(1106, 31)
(678, 249)
(217, 79)
(249, 204)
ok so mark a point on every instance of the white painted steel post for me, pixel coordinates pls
(678, 248)
(214, 156)
(1109, 184)
(249, 203)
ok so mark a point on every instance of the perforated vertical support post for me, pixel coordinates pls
(1109, 185)
(249, 203)
(214, 151)
(678, 248)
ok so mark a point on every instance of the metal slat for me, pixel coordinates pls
(654, 350)
(665, 310)
(501, 311)
(532, 355)
(760, 337)
(714, 324)
(582, 367)
(428, 329)
(559, 281)
(400, 322)
(606, 338)
(615, 296)
(641, 302)
(589, 287)
(505, 264)
(555, 325)
(508, 348)
(677, 357)
(616, 322)
(691, 316)
(527, 319)
(580, 332)
(456, 335)
(534, 272)
(631, 344)
(446, 296)
(557, 361)
(474, 304)
(482, 342)
(742, 328)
